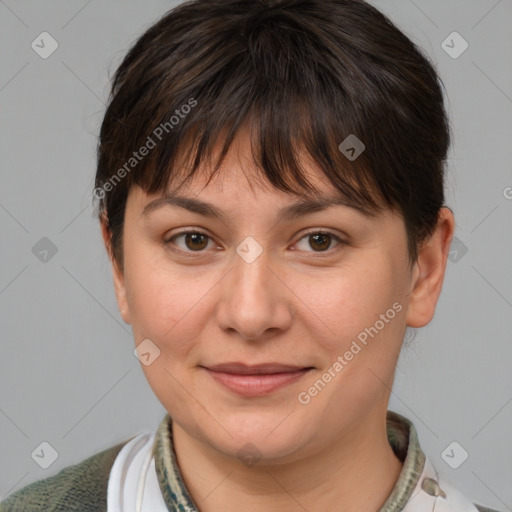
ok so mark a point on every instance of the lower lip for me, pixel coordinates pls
(256, 385)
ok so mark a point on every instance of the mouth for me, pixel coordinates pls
(256, 380)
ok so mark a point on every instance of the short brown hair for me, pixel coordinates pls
(304, 74)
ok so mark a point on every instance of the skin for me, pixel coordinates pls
(287, 306)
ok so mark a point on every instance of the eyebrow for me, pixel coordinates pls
(295, 210)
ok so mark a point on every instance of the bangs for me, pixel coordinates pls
(284, 150)
(293, 104)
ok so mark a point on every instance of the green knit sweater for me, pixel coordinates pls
(81, 488)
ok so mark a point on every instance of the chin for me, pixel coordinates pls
(273, 437)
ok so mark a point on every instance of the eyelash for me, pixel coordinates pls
(317, 254)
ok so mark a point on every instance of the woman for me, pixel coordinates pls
(300, 146)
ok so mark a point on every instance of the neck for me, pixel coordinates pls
(357, 473)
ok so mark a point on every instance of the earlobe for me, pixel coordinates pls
(117, 273)
(429, 271)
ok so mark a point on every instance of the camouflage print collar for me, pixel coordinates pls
(402, 437)
(173, 488)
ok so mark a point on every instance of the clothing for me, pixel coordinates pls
(145, 468)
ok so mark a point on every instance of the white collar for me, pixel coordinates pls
(133, 485)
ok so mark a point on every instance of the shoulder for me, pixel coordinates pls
(80, 487)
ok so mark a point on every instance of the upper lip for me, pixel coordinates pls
(256, 369)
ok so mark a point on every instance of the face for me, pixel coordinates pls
(322, 299)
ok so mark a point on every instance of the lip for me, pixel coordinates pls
(256, 380)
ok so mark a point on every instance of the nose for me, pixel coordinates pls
(255, 301)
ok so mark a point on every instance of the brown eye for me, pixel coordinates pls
(320, 241)
(194, 241)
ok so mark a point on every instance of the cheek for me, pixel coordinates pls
(161, 300)
(350, 300)
(363, 308)
(162, 307)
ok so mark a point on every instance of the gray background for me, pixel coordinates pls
(68, 373)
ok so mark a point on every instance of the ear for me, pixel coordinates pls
(428, 272)
(118, 274)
